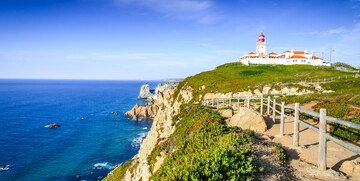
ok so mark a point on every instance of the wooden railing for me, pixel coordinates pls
(272, 105)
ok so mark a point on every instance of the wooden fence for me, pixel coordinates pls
(271, 107)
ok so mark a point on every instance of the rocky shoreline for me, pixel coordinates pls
(150, 109)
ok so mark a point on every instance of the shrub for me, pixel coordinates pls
(206, 149)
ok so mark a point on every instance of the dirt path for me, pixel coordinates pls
(305, 158)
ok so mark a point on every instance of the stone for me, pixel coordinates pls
(248, 119)
(226, 113)
(257, 92)
(147, 111)
(54, 125)
(145, 92)
(351, 168)
(266, 90)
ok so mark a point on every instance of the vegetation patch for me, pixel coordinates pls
(236, 77)
(119, 172)
(205, 149)
(344, 104)
(345, 65)
(280, 152)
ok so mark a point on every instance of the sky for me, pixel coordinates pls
(162, 39)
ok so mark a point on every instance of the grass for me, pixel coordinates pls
(339, 104)
(280, 152)
(119, 172)
(236, 77)
(205, 149)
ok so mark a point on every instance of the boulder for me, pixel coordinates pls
(145, 92)
(248, 119)
(226, 113)
(54, 125)
(351, 168)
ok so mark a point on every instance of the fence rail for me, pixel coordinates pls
(272, 105)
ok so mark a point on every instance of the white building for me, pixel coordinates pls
(288, 57)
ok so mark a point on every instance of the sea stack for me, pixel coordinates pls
(145, 92)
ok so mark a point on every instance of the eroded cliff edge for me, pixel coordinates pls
(161, 129)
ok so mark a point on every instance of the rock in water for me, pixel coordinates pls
(54, 125)
(147, 111)
(145, 92)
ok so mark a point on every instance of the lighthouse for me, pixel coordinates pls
(261, 45)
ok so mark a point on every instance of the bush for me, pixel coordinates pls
(206, 149)
(345, 65)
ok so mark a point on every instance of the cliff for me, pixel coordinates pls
(224, 81)
(161, 129)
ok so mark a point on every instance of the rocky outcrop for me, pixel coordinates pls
(145, 92)
(164, 86)
(54, 125)
(161, 129)
(248, 119)
(147, 111)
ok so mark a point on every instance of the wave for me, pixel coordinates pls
(106, 165)
(144, 128)
(136, 142)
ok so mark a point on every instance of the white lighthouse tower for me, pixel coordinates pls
(261, 45)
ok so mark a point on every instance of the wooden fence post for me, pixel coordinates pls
(268, 106)
(239, 103)
(217, 102)
(274, 110)
(296, 126)
(248, 101)
(322, 140)
(282, 119)
(213, 102)
(261, 104)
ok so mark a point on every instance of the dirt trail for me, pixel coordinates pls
(304, 159)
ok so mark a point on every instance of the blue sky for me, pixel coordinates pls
(156, 39)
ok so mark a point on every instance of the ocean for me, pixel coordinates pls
(93, 137)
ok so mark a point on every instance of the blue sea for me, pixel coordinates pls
(91, 139)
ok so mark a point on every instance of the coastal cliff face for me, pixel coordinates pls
(148, 111)
(161, 129)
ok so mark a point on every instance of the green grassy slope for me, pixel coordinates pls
(236, 77)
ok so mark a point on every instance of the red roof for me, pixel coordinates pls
(299, 52)
(297, 57)
(273, 53)
(315, 57)
(251, 53)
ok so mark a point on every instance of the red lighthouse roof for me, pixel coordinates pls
(261, 37)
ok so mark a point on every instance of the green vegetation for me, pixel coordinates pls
(280, 153)
(344, 103)
(236, 77)
(119, 172)
(205, 149)
(340, 64)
